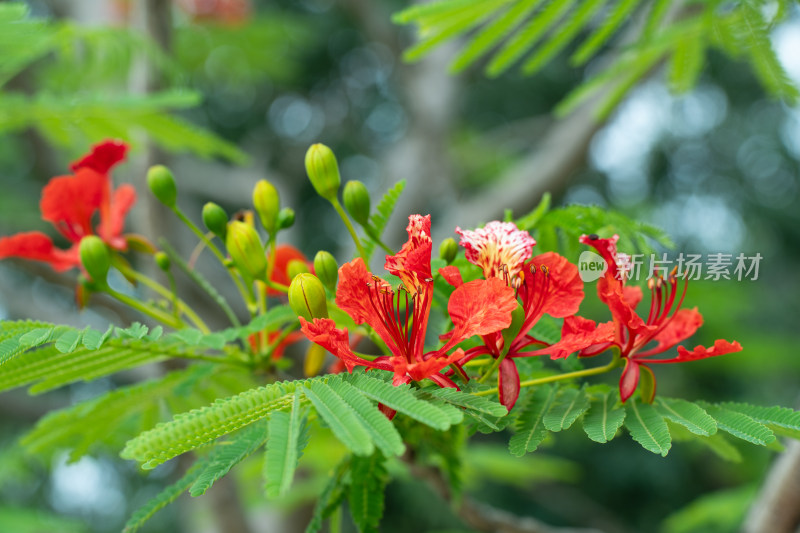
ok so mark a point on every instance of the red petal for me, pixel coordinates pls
(37, 246)
(412, 264)
(103, 157)
(721, 347)
(480, 307)
(113, 221)
(578, 333)
(612, 292)
(508, 383)
(452, 275)
(629, 380)
(632, 295)
(324, 332)
(607, 248)
(562, 294)
(424, 369)
(68, 202)
(681, 326)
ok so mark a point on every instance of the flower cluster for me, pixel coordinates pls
(516, 291)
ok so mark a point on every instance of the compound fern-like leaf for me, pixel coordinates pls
(529, 427)
(604, 418)
(340, 418)
(647, 427)
(283, 448)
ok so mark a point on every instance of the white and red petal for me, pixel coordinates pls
(496, 245)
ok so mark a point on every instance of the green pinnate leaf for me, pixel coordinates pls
(604, 32)
(227, 454)
(529, 427)
(367, 487)
(687, 414)
(476, 404)
(604, 418)
(781, 420)
(286, 443)
(740, 425)
(568, 406)
(331, 496)
(383, 211)
(647, 427)
(340, 418)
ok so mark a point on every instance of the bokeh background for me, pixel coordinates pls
(718, 169)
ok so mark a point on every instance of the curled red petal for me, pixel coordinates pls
(629, 380)
(452, 275)
(508, 383)
(562, 293)
(681, 326)
(424, 369)
(37, 246)
(721, 347)
(480, 307)
(412, 264)
(578, 333)
(113, 219)
(632, 295)
(607, 248)
(324, 332)
(102, 157)
(68, 202)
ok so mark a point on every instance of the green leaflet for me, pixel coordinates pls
(647, 427)
(228, 454)
(191, 430)
(604, 418)
(689, 415)
(165, 497)
(476, 404)
(367, 486)
(686, 64)
(287, 438)
(383, 211)
(781, 420)
(343, 421)
(740, 425)
(382, 431)
(529, 427)
(570, 403)
(401, 399)
(332, 495)
(601, 35)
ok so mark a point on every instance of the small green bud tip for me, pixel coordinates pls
(267, 202)
(162, 184)
(448, 250)
(323, 171)
(95, 258)
(307, 297)
(246, 251)
(215, 219)
(296, 267)
(326, 269)
(162, 260)
(356, 201)
(286, 218)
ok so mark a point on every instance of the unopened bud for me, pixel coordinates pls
(295, 267)
(315, 358)
(246, 250)
(326, 269)
(323, 171)
(95, 258)
(267, 202)
(356, 201)
(307, 297)
(448, 250)
(162, 260)
(162, 184)
(215, 219)
(286, 218)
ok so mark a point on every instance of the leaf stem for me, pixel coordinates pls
(150, 311)
(339, 209)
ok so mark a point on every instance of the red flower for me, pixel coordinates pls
(547, 284)
(637, 339)
(69, 203)
(400, 316)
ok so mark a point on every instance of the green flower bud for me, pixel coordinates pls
(162, 260)
(323, 171)
(215, 219)
(267, 202)
(448, 250)
(161, 182)
(326, 269)
(356, 201)
(95, 258)
(295, 267)
(246, 250)
(286, 218)
(307, 297)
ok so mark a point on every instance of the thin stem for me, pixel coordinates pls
(350, 228)
(212, 359)
(558, 377)
(495, 366)
(150, 311)
(179, 304)
(374, 236)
